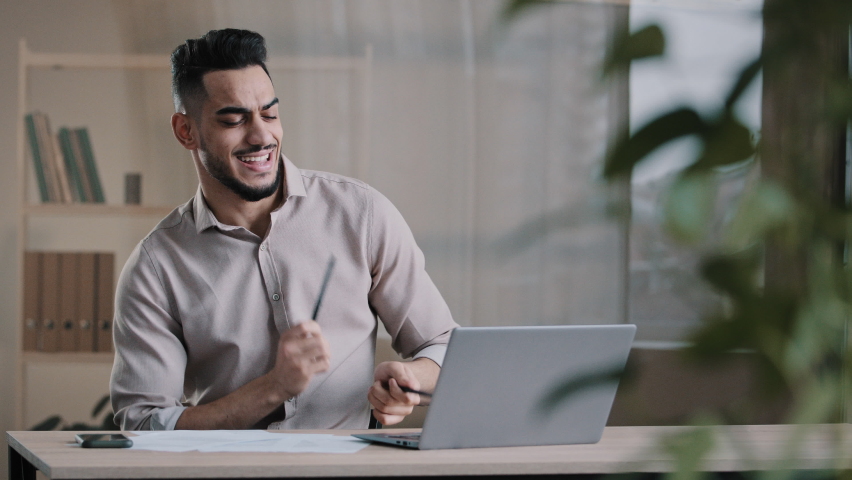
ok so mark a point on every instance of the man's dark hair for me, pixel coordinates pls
(227, 49)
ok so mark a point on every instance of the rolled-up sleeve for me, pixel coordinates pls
(147, 380)
(403, 295)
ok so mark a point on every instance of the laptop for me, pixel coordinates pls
(500, 387)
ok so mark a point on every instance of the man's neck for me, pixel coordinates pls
(230, 209)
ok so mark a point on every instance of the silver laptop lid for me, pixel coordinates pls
(495, 382)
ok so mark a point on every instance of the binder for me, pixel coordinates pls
(32, 275)
(103, 342)
(86, 306)
(68, 300)
(49, 341)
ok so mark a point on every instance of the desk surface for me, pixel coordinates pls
(622, 449)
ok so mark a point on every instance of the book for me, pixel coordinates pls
(51, 160)
(91, 167)
(77, 149)
(61, 173)
(45, 148)
(69, 155)
(35, 154)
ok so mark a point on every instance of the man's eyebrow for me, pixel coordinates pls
(243, 110)
(232, 110)
(270, 104)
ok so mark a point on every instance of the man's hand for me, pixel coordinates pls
(390, 403)
(302, 353)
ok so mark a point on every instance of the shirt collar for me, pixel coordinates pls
(293, 183)
(294, 186)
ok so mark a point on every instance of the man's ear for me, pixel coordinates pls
(185, 130)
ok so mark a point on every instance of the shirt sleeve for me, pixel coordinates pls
(434, 352)
(403, 295)
(146, 385)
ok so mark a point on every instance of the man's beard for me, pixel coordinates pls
(217, 168)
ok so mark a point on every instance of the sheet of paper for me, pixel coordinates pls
(244, 441)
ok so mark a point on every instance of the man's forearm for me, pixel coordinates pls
(426, 371)
(241, 409)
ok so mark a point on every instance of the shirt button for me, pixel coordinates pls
(262, 247)
(276, 297)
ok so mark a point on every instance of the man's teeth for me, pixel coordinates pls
(254, 159)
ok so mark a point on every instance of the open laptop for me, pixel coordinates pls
(498, 387)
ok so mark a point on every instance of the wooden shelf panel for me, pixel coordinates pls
(48, 209)
(83, 60)
(153, 62)
(67, 357)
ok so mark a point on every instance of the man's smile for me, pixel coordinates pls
(255, 158)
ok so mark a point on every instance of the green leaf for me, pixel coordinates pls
(103, 402)
(653, 135)
(49, 423)
(688, 450)
(569, 216)
(765, 207)
(514, 8)
(819, 326)
(575, 385)
(746, 76)
(648, 42)
(840, 100)
(820, 402)
(108, 423)
(726, 142)
(77, 426)
(734, 274)
(689, 207)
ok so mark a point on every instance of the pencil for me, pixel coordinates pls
(325, 279)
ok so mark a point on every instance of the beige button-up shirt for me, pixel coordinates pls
(200, 305)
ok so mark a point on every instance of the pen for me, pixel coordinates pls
(418, 392)
(325, 279)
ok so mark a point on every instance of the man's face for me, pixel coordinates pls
(240, 132)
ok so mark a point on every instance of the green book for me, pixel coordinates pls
(38, 167)
(91, 167)
(81, 165)
(75, 180)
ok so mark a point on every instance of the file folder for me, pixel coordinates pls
(49, 341)
(68, 300)
(32, 293)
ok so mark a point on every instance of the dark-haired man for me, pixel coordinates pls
(213, 326)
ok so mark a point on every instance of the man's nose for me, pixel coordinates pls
(260, 133)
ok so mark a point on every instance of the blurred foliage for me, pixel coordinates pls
(106, 423)
(794, 318)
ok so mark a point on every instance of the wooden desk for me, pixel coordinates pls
(622, 449)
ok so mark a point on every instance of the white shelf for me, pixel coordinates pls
(143, 61)
(68, 357)
(53, 209)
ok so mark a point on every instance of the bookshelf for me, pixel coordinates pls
(37, 221)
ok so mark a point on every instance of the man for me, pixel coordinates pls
(213, 326)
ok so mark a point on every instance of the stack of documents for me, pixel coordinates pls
(244, 441)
